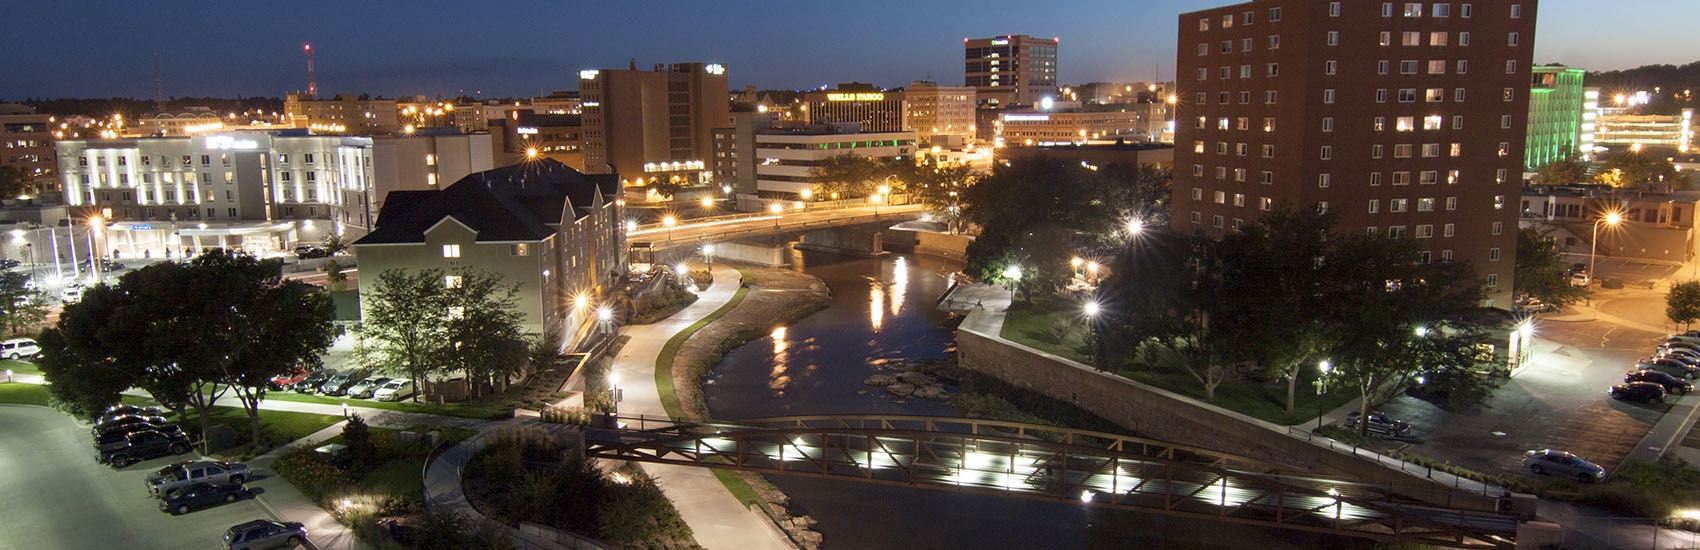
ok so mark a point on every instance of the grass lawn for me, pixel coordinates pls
(19, 367)
(462, 410)
(23, 394)
(1037, 325)
(664, 364)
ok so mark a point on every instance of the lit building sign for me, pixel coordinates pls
(715, 69)
(227, 142)
(1000, 42)
(588, 74)
(527, 130)
(1026, 118)
(857, 96)
(673, 166)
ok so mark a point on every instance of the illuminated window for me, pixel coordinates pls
(1396, 205)
(451, 281)
(451, 251)
(1411, 38)
(1405, 124)
(1431, 122)
(519, 249)
(1437, 66)
(1385, 39)
(1413, 9)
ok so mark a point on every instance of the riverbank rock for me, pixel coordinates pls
(916, 379)
(900, 389)
(882, 380)
(930, 391)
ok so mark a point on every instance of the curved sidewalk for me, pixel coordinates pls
(715, 516)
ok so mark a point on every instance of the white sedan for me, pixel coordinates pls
(394, 390)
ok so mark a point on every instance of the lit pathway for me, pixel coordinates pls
(716, 518)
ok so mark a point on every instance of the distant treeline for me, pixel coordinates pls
(103, 108)
(1671, 81)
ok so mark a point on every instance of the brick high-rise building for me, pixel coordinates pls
(652, 125)
(1010, 70)
(1405, 118)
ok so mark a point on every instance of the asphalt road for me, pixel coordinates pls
(56, 496)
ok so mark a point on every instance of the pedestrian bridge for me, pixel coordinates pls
(1045, 462)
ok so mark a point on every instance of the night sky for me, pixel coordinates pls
(430, 47)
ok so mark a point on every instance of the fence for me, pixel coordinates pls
(1422, 470)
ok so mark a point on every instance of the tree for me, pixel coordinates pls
(1682, 304)
(275, 325)
(334, 277)
(1271, 267)
(1631, 168)
(848, 175)
(1162, 296)
(334, 244)
(402, 329)
(1393, 318)
(1564, 170)
(14, 181)
(21, 305)
(1540, 271)
(484, 328)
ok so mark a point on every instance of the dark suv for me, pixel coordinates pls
(261, 533)
(1380, 423)
(1672, 384)
(1638, 391)
(143, 445)
(311, 383)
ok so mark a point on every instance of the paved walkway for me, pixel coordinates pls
(715, 517)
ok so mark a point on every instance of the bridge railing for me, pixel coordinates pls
(780, 225)
(1448, 479)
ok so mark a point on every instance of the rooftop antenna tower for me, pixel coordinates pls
(158, 88)
(312, 81)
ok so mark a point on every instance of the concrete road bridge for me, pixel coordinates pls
(764, 239)
(1045, 462)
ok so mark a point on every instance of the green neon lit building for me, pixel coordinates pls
(1555, 114)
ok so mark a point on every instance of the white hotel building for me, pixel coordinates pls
(785, 158)
(258, 191)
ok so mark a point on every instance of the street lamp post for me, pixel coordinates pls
(775, 209)
(1321, 390)
(708, 254)
(1611, 219)
(1091, 309)
(669, 222)
(1013, 273)
(876, 199)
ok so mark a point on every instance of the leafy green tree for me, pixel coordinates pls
(275, 325)
(21, 306)
(484, 328)
(1393, 318)
(1564, 170)
(334, 277)
(1272, 269)
(1540, 270)
(1682, 304)
(14, 181)
(1631, 168)
(402, 329)
(1162, 295)
(1135, 192)
(848, 175)
(334, 244)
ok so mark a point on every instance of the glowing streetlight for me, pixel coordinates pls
(1321, 389)
(669, 222)
(1612, 219)
(580, 301)
(1074, 264)
(1135, 227)
(1092, 272)
(708, 202)
(775, 209)
(876, 199)
(708, 254)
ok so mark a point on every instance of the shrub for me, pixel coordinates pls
(313, 477)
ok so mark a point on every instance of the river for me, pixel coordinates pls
(883, 312)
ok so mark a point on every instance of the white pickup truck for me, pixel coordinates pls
(196, 471)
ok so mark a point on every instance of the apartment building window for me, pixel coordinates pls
(1504, 149)
(1197, 217)
(1221, 147)
(1245, 97)
(232, 212)
(1328, 124)
(283, 158)
(1381, 95)
(1408, 66)
(312, 177)
(1245, 18)
(1499, 202)
(1204, 24)
(1222, 172)
(1374, 206)
(451, 281)
(1203, 73)
(1386, 38)
(1396, 232)
(1464, 10)
(1333, 9)
(1493, 254)
(283, 177)
(1199, 98)
(1327, 152)
(1380, 123)
(1457, 123)
(1268, 151)
(1239, 200)
(1435, 95)
(1431, 150)
(1323, 179)
(224, 159)
(1198, 146)
(1198, 170)
(1498, 227)
(1401, 178)
(1499, 177)
(1227, 46)
(1376, 151)
(1197, 194)
(1463, 66)
(1371, 231)
(1396, 205)
(1492, 280)
(1322, 207)
(1269, 95)
(1330, 67)
(1402, 151)
(1375, 179)
(1425, 231)
(206, 178)
(1437, 38)
(1464, 38)
(1413, 9)
(1266, 178)
(1447, 231)
(212, 213)
(1511, 39)
(1511, 67)
(519, 249)
(1510, 94)
(1516, 11)
(1220, 197)
(1239, 174)
(1274, 41)
(1425, 204)
(1216, 221)
(1245, 44)
(1407, 95)
(1452, 177)
(1437, 66)
(1274, 14)
(1504, 121)
(308, 158)
(1265, 204)
(1334, 38)
(1458, 95)
(1222, 123)
(451, 251)
(1387, 9)
(1442, 10)
(230, 177)
(1411, 38)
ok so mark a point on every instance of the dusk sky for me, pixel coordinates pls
(431, 47)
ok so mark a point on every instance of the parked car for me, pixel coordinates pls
(112, 439)
(1380, 423)
(339, 384)
(116, 411)
(1581, 279)
(198, 471)
(1671, 384)
(125, 421)
(71, 294)
(1682, 351)
(394, 390)
(313, 380)
(1669, 366)
(1680, 344)
(260, 533)
(1646, 392)
(19, 348)
(183, 500)
(1562, 463)
(141, 446)
(1683, 338)
(1684, 358)
(310, 252)
(282, 381)
(368, 387)
(9, 263)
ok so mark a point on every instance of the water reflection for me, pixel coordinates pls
(777, 379)
(899, 284)
(876, 303)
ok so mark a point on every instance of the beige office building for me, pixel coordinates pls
(652, 126)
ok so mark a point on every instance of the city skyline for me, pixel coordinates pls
(530, 48)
